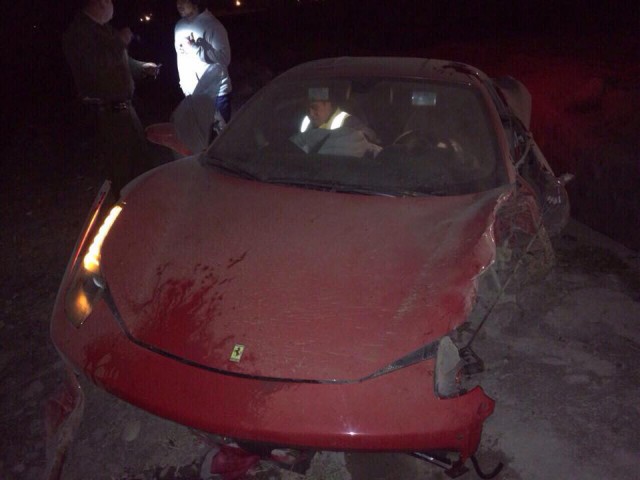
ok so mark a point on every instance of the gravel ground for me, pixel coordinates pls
(562, 361)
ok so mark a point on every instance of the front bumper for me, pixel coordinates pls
(394, 412)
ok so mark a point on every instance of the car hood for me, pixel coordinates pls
(283, 282)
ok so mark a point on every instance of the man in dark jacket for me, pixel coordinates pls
(104, 76)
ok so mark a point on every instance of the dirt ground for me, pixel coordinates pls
(563, 358)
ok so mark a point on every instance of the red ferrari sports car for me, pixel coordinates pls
(316, 278)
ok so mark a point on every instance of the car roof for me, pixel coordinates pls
(396, 67)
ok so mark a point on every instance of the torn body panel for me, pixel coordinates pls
(395, 412)
(319, 301)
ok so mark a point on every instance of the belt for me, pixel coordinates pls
(119, 106)
(107, 105)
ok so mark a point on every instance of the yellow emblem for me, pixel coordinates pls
(236, 353)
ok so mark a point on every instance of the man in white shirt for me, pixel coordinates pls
(203, 54)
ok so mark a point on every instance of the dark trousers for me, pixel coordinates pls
(122, 142)
(223, 105)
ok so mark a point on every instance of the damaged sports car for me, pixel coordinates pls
(317, 277)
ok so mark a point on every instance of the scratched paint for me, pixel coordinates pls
(306, 280)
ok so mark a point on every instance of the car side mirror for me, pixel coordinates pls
(566, 178)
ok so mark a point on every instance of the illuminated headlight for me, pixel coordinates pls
(87, 283)
(91, 261)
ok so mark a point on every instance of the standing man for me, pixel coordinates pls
(104, 77)
(203, 54)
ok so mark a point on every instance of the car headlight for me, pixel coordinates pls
(87, 284)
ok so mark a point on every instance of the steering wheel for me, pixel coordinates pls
(416, 140)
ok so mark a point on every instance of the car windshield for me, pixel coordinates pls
(377, 136)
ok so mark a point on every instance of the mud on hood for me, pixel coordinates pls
(311, 284)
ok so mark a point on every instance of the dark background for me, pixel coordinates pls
(268, 36)
(581, 62)
(287, 32)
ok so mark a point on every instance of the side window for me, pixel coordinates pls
(512, 121)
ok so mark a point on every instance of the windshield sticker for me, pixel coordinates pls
(423, 99)
(236, 353)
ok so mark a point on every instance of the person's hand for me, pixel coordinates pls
(193, 41)
(126, 35)
(151, 69)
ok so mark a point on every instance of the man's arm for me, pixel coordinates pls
(214, 45)
(138, 69)
(355, 123)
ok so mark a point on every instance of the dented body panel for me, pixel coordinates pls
(304, 280)
(281, 279)
(294, 298)
(395, 412)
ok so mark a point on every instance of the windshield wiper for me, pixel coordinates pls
(230, 168)
(302, 183)
(335, 187)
